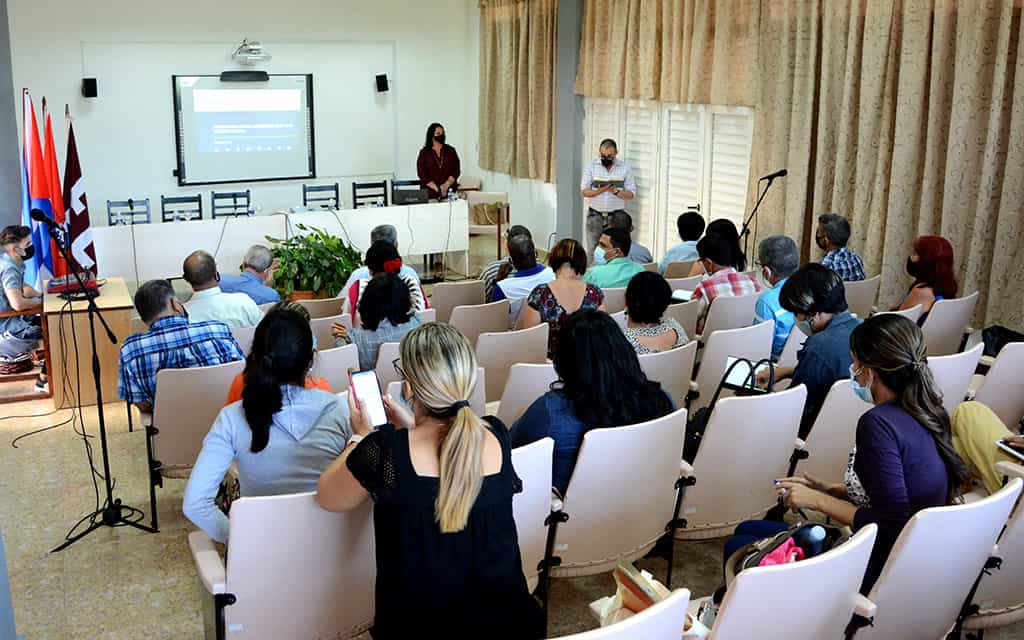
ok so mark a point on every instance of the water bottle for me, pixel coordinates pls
(811, 540)
(380, 201)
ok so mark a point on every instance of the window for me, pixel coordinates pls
(682, 155)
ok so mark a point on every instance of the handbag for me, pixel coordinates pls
(698, 423)
(996, 337)
(754, 553)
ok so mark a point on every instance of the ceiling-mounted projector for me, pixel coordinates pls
(250, 52)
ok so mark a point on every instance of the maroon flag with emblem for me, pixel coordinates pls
(83, 253)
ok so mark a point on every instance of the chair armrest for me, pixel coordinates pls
(1010, 469)
(987, 361)
(800, 445)
(556, 504)
(209, 564)
(693, 386)
(146, 418)
(863, 607)
(685, 469)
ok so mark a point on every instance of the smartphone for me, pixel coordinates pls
(1016, 453)
(740, 376)
(367, 389)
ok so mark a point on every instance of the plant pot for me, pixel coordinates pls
(299, 294)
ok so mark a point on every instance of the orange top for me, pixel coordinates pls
(235, 392)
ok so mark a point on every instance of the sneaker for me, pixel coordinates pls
(41, 385)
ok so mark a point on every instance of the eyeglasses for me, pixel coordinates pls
(398, 369)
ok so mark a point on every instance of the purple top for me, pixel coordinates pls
(900, 468)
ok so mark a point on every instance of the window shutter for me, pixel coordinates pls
(730, 165)
(639, 148)
(683, 170)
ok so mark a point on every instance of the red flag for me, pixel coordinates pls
(83, 253)
(52, 178)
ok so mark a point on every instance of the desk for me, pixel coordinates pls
(66, 326)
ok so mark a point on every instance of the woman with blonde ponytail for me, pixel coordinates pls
(442, 483)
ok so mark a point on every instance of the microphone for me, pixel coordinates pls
(781, 173)
(39, 216)
(131, 205)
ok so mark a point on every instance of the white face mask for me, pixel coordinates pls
(599, 257)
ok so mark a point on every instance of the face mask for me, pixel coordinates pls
(607, 162)
(599, 256)
(805, 326)
(29, 251)
(439, 139)
(821, 242)
(911, 268)
(864, 393)
(314, 342)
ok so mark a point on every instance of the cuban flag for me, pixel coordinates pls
(35, 195)
(53, 187)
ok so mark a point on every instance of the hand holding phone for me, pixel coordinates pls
(365, 389)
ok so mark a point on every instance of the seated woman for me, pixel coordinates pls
(385, 312)
(442, 482)
(281, 434)
(553, 302)
(726, 229)
(600, 384)
(647, 297)
(931, 267)
(19, 335)
(903, 460)
(976, 428)
(381, 258)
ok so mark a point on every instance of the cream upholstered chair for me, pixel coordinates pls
(474, 319)
(448, 295)
(686, 314)
(614, 299)
(525, 383)
(860, 295)
(825, 586)
(794, 343)
(953, 374)
(333, 365)
(322, 328)
(620, 319)
(622, 497)
(293, 570)
(944, 548)
(244, 335)
(729, 312)
(913, 313)
(999, 389)
(322, 307)
(945, 325)
(427, 315)
(831, 439)
(662, 621)
(532, 506)
(678, 269)
(497, 352)
(688, 283)
(753, 343)
(673, 369)
(476, 400)
(385, 368)
(746, 447)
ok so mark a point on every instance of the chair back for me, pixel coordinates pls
(448, 295)
(497, 352)
(386, 355)
(746, 446)
(532, 505)
(953, 374)
(833, 433)
(944, 548)
(825, 586)
(1000, 390)
(623, 486)
(663, 621)
(688, 283)
(474, 319)
(794, 343)
(614, 299)
(525, 383)
(620, 319)
(316, 579)
(230, 204)
(265, 307)
(686, 314)
(913, 313)
(860, 295)
(321, 328)
(333, 365)
(369, 194)
(678, 269)
(730, 312)
(673, 369)
(322, 307)
(476, 399)
(181, 208)
(753, 343)
(186, 404)
(323, 196)
(130, 211)
(650, 266)
(944, 327)
(244, 336)
(427, 315)
(1001, 594)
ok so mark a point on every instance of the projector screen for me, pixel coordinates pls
(243, 131)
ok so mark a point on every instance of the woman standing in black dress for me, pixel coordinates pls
(448, 560)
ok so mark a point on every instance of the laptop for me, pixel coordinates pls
(410, 196)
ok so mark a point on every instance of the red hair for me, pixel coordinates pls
(935, 265)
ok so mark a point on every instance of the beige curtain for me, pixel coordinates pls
(517, 87)
(906, 116)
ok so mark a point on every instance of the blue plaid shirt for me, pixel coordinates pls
(846, 263)
(171, 343)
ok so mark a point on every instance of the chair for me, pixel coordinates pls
(448, 295)
(231, 204)
(265, 307)
(663, 621)
(826, 586)
(673, 369)
(729, 312)
(746, 446)
(678, 270)
(689, 283)
(427, 315)
(474, 319)
(753, 343)
(620, 319)
(181, 208)
(944, 327)
(244, 337)
(497, 352)
(385, 368)
(369, 194)
(614, 299)
(322, 328)
(913, 313)
(944, 548)
(953, 374)
(532, 506)
(31, 374)
(323, 307)
(485, 227)
(322, 196)
(999, 390)
(832, 435)
(128, 211)
(860, 295)
(476, 398)
(524, 384)
(293, 570)
(333, 365)
(794, 343)
(651, 266)
(686, 314)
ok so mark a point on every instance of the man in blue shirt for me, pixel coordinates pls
(258, 268)
(690, 225)
(638, 253)
(778, 257)
(381, 233)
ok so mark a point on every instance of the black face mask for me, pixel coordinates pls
(911, 268)
(607, 162)
(30, 251)
(821, 242)
(439, 139)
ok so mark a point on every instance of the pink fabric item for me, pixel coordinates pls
(785, 553)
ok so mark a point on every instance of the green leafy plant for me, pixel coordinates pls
(315, 261)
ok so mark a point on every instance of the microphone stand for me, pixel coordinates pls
(745, 231)
(112, 513)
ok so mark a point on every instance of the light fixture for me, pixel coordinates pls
(250, 52)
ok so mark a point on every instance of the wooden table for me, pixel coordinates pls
(67, 325)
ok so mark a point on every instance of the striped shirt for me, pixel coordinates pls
(607, 201)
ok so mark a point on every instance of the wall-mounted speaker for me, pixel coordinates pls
(382, 83)
(89, 89)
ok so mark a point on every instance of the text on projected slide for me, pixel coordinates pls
(236, 120)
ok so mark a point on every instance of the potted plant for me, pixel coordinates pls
(313, 264)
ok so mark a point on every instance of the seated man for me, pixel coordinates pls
(19, 335)
(637, 252)
(779, 258)
(498, 270)
(526, 275)
(617, 269)
(209, 302)
(171, 342)
(690, 226)
(381, 233)
(715, 253)
(831, 236)
(258, 268)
